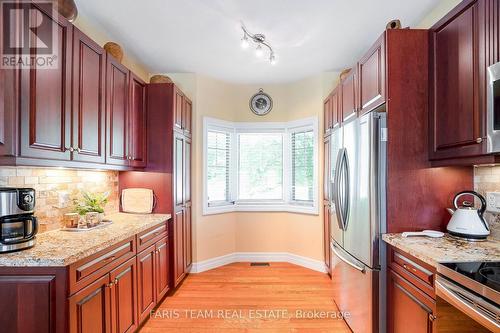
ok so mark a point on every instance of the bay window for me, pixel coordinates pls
(260, 166)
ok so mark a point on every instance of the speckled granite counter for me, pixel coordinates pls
(62, 248)
(446, 249)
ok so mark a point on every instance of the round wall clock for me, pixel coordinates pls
(261, 103)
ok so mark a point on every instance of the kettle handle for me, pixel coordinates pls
(473, 193)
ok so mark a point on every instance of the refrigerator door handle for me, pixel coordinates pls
(336, 195)
(346, 189)
(360, 268)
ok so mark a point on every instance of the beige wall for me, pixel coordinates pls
(217, 235)
(441, 9)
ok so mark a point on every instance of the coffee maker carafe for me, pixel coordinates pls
(18, 225)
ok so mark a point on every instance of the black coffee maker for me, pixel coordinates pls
(18, 225)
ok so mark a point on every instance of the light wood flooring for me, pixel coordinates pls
(241, 298)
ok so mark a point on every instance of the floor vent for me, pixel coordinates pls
(259, 264)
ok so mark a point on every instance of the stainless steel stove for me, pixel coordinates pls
(473, 288)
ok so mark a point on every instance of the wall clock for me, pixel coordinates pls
(261, 103)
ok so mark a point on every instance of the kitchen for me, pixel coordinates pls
(157, 176)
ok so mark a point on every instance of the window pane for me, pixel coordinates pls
(260, 166)
(218, 149)
(302, 166)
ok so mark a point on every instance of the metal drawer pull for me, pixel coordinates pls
(109, 258)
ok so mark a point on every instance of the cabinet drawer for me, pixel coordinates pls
(87, 270)
(150, 236)
(417, 272)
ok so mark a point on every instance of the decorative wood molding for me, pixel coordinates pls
(205, 265)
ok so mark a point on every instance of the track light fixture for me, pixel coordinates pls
(260, 40)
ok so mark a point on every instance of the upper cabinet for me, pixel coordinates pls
(331, 111)
(462, 46)
(45, 98)
(372, 77)
(89, 122)
(138, 120)
(89, 111)
(349, 95)
(117, 79)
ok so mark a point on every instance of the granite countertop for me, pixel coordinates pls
(62, 248)
(445, 249)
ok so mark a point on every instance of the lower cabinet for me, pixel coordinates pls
(124, 318)
(89, 309)
(153, 276)
(412, 311)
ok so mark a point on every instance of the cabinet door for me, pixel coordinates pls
(124, 297)
(326, 237)
(188, 243)
(117, 78)
(138, 122)
(335, 108)
(31, 296)
(178, 176)
(372, 77)
(146, 294)
(89, 69)
(161, 269)
(178, 105)
(90, 308)
(178, 247)
(327, 114)
(348, 99)
(187, 171)
(45, 102)
(409, 309)
(455, 113)
(326, 169)
(187, 117)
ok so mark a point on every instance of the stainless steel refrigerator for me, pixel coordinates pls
(358, 204)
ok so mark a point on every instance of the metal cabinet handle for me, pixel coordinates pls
(115, 281)
(70, 149)
(432, 317)
(479, 140)
(110, 285)
(78, 150)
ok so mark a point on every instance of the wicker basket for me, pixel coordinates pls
(68, 9)
(394, 24)
(344, 73)
(160, 79)
(115, 50)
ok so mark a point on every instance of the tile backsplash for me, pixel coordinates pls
(487, 179)
(56, 189)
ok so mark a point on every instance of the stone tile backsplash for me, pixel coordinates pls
(56, 189)
(487, 179)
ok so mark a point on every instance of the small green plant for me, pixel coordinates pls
(91, 202)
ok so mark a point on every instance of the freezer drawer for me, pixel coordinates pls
(355, 290)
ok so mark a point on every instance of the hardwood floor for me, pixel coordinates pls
(241, 298)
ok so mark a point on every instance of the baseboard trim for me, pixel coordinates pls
(291, 258)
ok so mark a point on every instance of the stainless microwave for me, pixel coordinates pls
(493, 108)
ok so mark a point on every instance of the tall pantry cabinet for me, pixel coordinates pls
(169, 152)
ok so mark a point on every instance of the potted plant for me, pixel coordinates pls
(91, 205)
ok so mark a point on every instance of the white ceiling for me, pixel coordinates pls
(203, 36)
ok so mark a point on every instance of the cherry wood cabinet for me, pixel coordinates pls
(77, 114)
(117, 78)
(146, 280)
(45, 98)
(90, 308)
(137, 120)
(178, 247)
(89, 122)
(162, 272)
(331, 111)
(124, 316)
(463, 44)
(187, 114)
(349, 90)
(411, 311)
(371, 69)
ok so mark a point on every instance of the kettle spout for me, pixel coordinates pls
(450, 210)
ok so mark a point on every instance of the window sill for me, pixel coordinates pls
(261, 208)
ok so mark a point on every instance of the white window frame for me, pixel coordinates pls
(285, 205)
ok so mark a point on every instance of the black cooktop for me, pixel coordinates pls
(486, 273)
